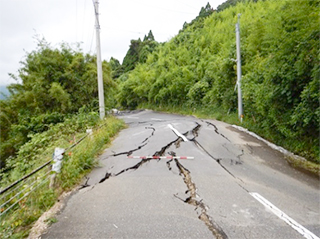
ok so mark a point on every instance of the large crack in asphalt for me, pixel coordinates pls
(128, 153)
(153, 130)
(218, 160)
(193, 199)
(143, 143)
(216, 130)
(161, 152)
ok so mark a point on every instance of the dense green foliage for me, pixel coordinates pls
(31, 154)
(76, 163)
(230, 3)
(56, 95)
(204, 13)
(52, 105)
(53, 84)
(137, 53)
(280, 60)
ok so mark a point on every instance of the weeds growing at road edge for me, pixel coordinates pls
(295, 145)
(77, 162)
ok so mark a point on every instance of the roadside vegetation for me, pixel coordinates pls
(55, 98)
(52, 105)
(77, 162)
(196, 70)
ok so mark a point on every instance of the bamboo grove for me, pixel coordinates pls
(196, 69)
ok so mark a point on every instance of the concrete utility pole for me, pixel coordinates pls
(99, 64)
(240, 109)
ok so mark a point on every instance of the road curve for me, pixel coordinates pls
(231, 186)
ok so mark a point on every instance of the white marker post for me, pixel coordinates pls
(57, 163)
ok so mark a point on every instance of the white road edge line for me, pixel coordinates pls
(178, 133)
(302, 230)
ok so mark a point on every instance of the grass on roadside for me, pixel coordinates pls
(77, 162)
(293, 145)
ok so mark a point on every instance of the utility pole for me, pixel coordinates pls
(99, 64)
(240, 109)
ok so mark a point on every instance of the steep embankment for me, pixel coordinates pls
(280, 66)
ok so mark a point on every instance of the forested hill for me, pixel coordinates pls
(195, 71)
(280, 70)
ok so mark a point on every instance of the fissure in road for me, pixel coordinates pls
(144, 143)
(193, 198)
(210, 155)
(216, 130)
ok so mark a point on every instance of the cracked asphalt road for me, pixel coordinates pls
(210, 196)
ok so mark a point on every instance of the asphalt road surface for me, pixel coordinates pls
(216, 182)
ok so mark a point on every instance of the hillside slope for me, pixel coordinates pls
(280, 67)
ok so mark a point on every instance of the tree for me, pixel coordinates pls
(280, 66)
(150, 36)
(54, 84)
(206, 11)
(138, 52)
(132, 56)
(117, 69)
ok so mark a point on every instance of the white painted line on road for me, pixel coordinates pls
(178, 133)
(302, 230)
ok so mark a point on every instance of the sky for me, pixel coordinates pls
(73, 22)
